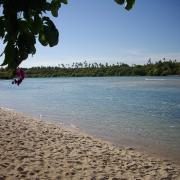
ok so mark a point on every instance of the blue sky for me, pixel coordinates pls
(102, 31)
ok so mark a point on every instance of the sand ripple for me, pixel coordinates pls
(34, 149)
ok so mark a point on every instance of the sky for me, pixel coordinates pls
(102, 31)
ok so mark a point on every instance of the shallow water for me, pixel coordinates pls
(143, 112)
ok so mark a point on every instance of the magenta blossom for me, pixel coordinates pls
(20, 75)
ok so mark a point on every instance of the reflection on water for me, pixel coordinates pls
(136, 111)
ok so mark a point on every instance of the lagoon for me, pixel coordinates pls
(141, 112)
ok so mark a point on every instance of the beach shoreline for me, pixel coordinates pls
(35, 149)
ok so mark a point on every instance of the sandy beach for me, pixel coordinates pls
(35, 149)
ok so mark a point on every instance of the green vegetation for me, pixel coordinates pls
(160, 68)
(23, 22)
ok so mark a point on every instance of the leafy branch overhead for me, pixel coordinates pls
(23, 22)
(128, 3)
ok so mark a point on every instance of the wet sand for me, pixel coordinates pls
(35, 149)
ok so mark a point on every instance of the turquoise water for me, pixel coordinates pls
(143, 112)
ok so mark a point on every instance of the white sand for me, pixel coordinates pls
(34, 149)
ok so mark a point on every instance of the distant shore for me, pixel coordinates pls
(84, 69)
(35, 149)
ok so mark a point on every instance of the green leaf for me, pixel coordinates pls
(53, 37)
(6, 38)
(25, 40)
(55, 5)
(9, 53)
(37, 5)
(37, 24)
(48, 6)
(50, 32)
(2, 29)
(42, 38)
(129, 4)
(25, 44)
(33, 50)
(22, 25)
(120, 1)
(48, 22)
(22, 54)
(10, 56)
(64, 1)
(54, 11)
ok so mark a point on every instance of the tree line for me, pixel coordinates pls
(85, 69)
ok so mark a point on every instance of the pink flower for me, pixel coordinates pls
(20, 75)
